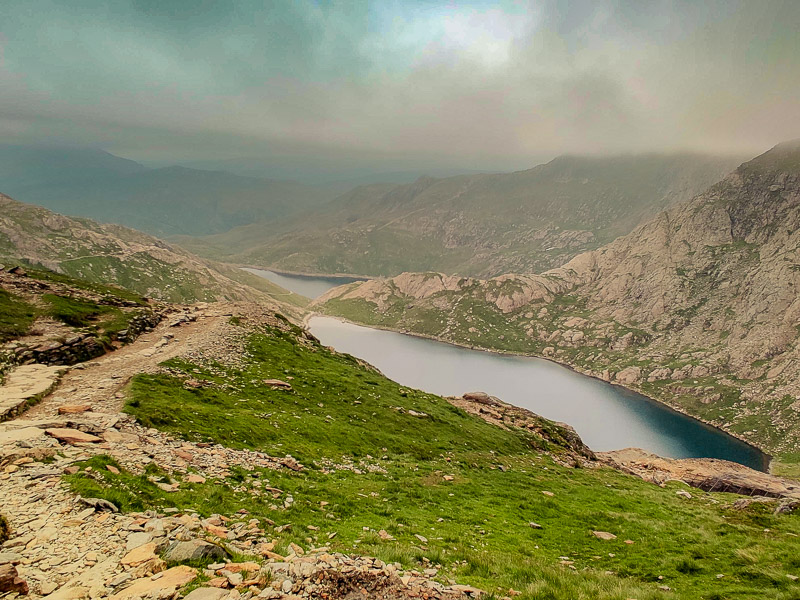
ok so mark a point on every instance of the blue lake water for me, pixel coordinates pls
(607, 417)
(310, 286)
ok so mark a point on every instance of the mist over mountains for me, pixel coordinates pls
(164, 201)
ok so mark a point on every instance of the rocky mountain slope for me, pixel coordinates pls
(229, 455)
(698, 307)
(480, 225)
(117, 255)
(166, 201)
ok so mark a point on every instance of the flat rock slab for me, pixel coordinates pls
(169, 581)
(12, 436)
(73, 409)
(72, 436)
(207, 593)
(25, 383)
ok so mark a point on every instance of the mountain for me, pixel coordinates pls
(698, 307)
(480, 225)
(24, 168)
(165, 201)
(112, 254)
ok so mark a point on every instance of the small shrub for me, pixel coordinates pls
(5, 529)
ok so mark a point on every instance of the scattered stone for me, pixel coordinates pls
(604, 535)
(140, 555)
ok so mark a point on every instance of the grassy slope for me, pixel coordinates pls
(16, 316)
(105, 317)
(477, 524)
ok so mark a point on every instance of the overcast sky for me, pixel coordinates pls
(481, 85)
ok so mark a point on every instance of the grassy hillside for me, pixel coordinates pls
(111, 254)
(479, 225)
(438, 487)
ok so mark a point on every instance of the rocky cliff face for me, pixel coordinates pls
(698, 307)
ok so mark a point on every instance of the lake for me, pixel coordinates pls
(606, 416)
(310, 286)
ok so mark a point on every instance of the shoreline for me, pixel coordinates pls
(768, 458)
(310, 275)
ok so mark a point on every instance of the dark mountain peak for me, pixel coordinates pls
(785, 157)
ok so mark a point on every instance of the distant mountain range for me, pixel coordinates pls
(166, 201)
(480, 225)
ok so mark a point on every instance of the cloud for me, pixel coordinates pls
(483, 85)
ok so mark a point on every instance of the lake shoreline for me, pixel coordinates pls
(308, 275)
(766, 458)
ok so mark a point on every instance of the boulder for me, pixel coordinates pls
(629, 375)
(10, 581)
(140, 555)
(100, 504)
(278, 384)
(195, 550)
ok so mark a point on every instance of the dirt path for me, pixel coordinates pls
(100, 382)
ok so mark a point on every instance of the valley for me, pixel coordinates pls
(421, 300)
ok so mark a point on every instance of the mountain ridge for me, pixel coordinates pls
(478, 225)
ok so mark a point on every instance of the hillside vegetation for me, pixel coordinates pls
(697, 308)
(408, 477)
(480, 225)
(112, 254)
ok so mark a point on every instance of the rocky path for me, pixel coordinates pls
(67, 548)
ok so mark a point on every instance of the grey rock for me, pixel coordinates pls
(194, 550)
(233, 578)
(100, 504)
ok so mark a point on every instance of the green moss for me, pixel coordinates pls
(5, 529)
(16, 316)
(73, 311)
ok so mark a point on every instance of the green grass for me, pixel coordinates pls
(98, 288)
(74, 311)
(476, 525)
(5, 529)
(16, 316)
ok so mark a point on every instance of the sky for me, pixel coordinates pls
(393, 85)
